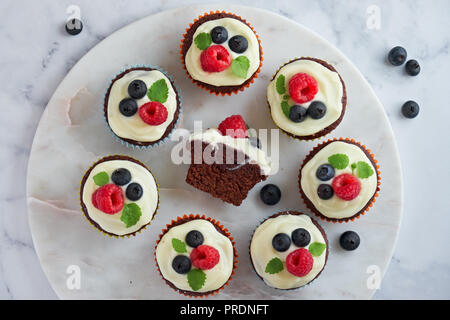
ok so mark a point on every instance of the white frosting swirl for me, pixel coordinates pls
(133, 127)
(215, 277)
(262, 251)
(330, 93)
(148, 203)
(225, 78)
(335, 207)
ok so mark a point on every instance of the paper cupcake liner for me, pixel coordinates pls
(369, 204)
(222, 230)
(129, 144)
(324, 132)
(84, 209)
(200, 84)
(292, 212)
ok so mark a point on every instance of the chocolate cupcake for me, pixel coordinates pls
(307, 98)
(119, 196)
(142, 106)
(339, 180)
(195, 255)
(221, 53)
(289, 250)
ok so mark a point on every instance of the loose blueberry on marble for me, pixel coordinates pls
(349, 240)
(317, 110)
(254, 141)
(121, 177)
(134, 191)
(238, 44)
(325, 172)
(219, 35)
(137, 89)
(194, 238)
(270, 194)
(181, 264)
(412, 68)
(301, 237)
(128, 107)
(410, 109)
(325, 191)
(281, 242)
(397, 56)
(297, 113)
(74, 27)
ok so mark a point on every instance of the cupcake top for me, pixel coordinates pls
(339, 179)
(194, 256)
(141, 105)
(224, 51)
(306, 96)
(119, 195)
(288, 250)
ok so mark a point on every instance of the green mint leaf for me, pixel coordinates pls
(240, 66)
(353, 166)
(364, 170)
(131, 214)
(196, 279)
(158, 91)
(274, 266)
(101, 178)
(339, 161)
(286, 97)
(203, 41)
(316, 248)
(281, 88)
(178, 245)
(286, 108)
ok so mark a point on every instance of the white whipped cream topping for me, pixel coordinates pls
(330, 93)
(225, 78)
(213, 137)
(262, 251)
(336, 207)
(133, 127)
(215, 277)
(148, 203)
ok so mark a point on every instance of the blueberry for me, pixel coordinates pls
(301, 237)
(325, 191)
(325, 172)
(297, 113)
(412, 68)
(317, 110)
(74, 26)
(219, 35)
(281, 242)
(194, 238)
(134, 191)
(121, 176)
(181, 264)
(128, 107)
(254, 141)
(137, 89)
(349, 240)
(410, 109)
(270, 194)
(397, 56)
(238, 44)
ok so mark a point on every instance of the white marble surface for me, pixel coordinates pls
(37, 55)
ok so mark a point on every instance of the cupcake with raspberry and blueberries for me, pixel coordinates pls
(195, 256)
(289, 250)
(339, 180)
(307, 98)
(221, 53)
(142, 106)
(119, 195)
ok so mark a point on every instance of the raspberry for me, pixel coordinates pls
(205, 257)
(108, 199)
(299, 262)
(346, 186)
(234, 126)
(153, 113)
(215, 59)
(302, 87)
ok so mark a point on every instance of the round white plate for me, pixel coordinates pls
(72, 135)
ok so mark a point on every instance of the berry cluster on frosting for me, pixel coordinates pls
(235, 127)
(109, 198)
